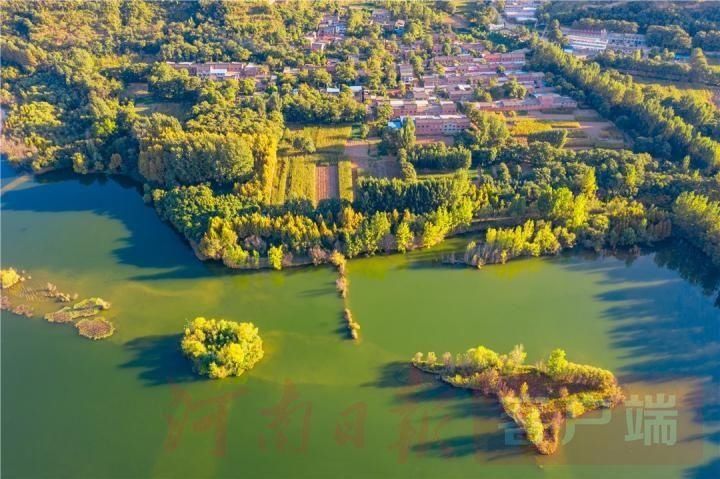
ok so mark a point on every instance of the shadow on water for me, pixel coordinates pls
(430, 404)
(665, 330)
(150, 243)
(159, 361)
(668, 332)
(398, 374)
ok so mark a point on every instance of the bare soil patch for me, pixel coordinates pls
(327, 182)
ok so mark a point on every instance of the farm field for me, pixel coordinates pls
(146, 105)
(327, 182)
(312, 176)
(345, 180)
(365, 160)
(585, 127)
(698, 88)
(302, 179)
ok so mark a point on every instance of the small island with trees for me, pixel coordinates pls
(538, 398)
(220, 348)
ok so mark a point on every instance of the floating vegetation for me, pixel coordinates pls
(341, 284)
(353, 327)
(52, 291)
(95, 328)
(92, 303)
(10, 277)
(23, 310)
(83, 309)
(338, 260)
(90, 327)
(20, 310)
(538, 398)
(62, 316)
(27, 293)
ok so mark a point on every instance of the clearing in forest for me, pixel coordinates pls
(146, 104)
(365, 161)
(313, 176)
(585, 128)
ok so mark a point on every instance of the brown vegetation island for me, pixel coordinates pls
(538, 398)
(95, 328)
(15, 288)
(83, 309)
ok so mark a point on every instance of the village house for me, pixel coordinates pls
(515, 58)
(590, 42)
(318, 45)
(436, 125)
(224, 70)
(406, 73)
(471, 48)
(535, 102)
(483, 75)
(485, 62)
(357, 90)
(626, 42)
(460, 93)
(585, 43)
(407, 50)
(526, 77)
(381, 16)
(477, 66)
(454, 94)
(419, 107)
(332, 26)
(469, 78)
(521, 11)
(421, 93)
(450, 60)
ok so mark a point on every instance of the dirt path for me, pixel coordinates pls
(327, 182)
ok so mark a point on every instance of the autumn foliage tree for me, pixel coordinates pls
(219, 348)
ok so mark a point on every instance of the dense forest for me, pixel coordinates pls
(697, 70)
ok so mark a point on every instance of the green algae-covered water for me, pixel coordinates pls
(319, 405)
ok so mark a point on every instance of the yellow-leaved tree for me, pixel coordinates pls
(219, 348)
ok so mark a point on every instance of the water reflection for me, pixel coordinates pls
(149, 244)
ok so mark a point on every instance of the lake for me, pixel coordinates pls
(318, 404)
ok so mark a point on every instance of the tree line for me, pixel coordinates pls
(617, 97)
